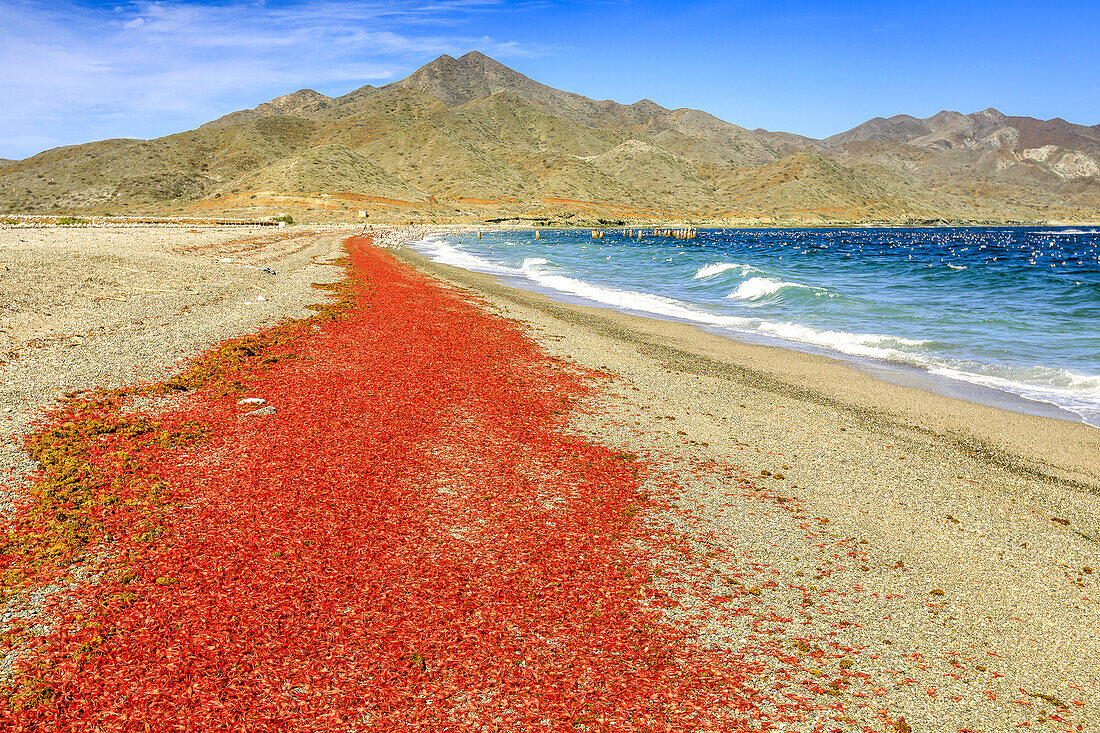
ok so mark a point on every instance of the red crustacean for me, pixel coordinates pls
(414, 541)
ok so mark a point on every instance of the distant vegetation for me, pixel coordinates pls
(286, 218)
(70, 220)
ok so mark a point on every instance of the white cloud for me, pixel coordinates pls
(77, 73)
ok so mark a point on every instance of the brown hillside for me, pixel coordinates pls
(470, 139)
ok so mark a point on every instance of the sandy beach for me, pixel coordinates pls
(102, 307)
(981, 527)
(937, 559)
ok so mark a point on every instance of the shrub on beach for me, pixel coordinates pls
(70, 220)
(284, 218)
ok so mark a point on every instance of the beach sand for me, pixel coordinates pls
(943, 554)
(956, 546)
(107, 307)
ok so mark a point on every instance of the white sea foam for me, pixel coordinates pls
(536, 269)
(1050, 381)
(758, 287)
(957, 267)
(539, 271)
(1079, 393)
(440, 250)
(719, 267)
(875, 345)
(1075, 392)
(856, 344)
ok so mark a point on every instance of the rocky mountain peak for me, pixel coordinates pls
(472, 76)
(470, 129)
(303, 100)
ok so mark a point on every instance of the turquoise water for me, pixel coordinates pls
(1013, 309)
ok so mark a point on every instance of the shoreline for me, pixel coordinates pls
(181, 220)
(842, 527)
(897, 373)
(917, 377)
(1056, 447)
(960, 535)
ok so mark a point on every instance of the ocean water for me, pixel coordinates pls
(1012, 309)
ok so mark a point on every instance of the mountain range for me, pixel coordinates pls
(472, 140)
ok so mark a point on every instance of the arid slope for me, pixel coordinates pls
(469, 139)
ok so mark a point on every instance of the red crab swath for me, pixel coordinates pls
(414, 541)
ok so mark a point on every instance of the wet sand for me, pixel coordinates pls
(959, 543)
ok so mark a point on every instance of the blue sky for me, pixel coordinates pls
(72, 72)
